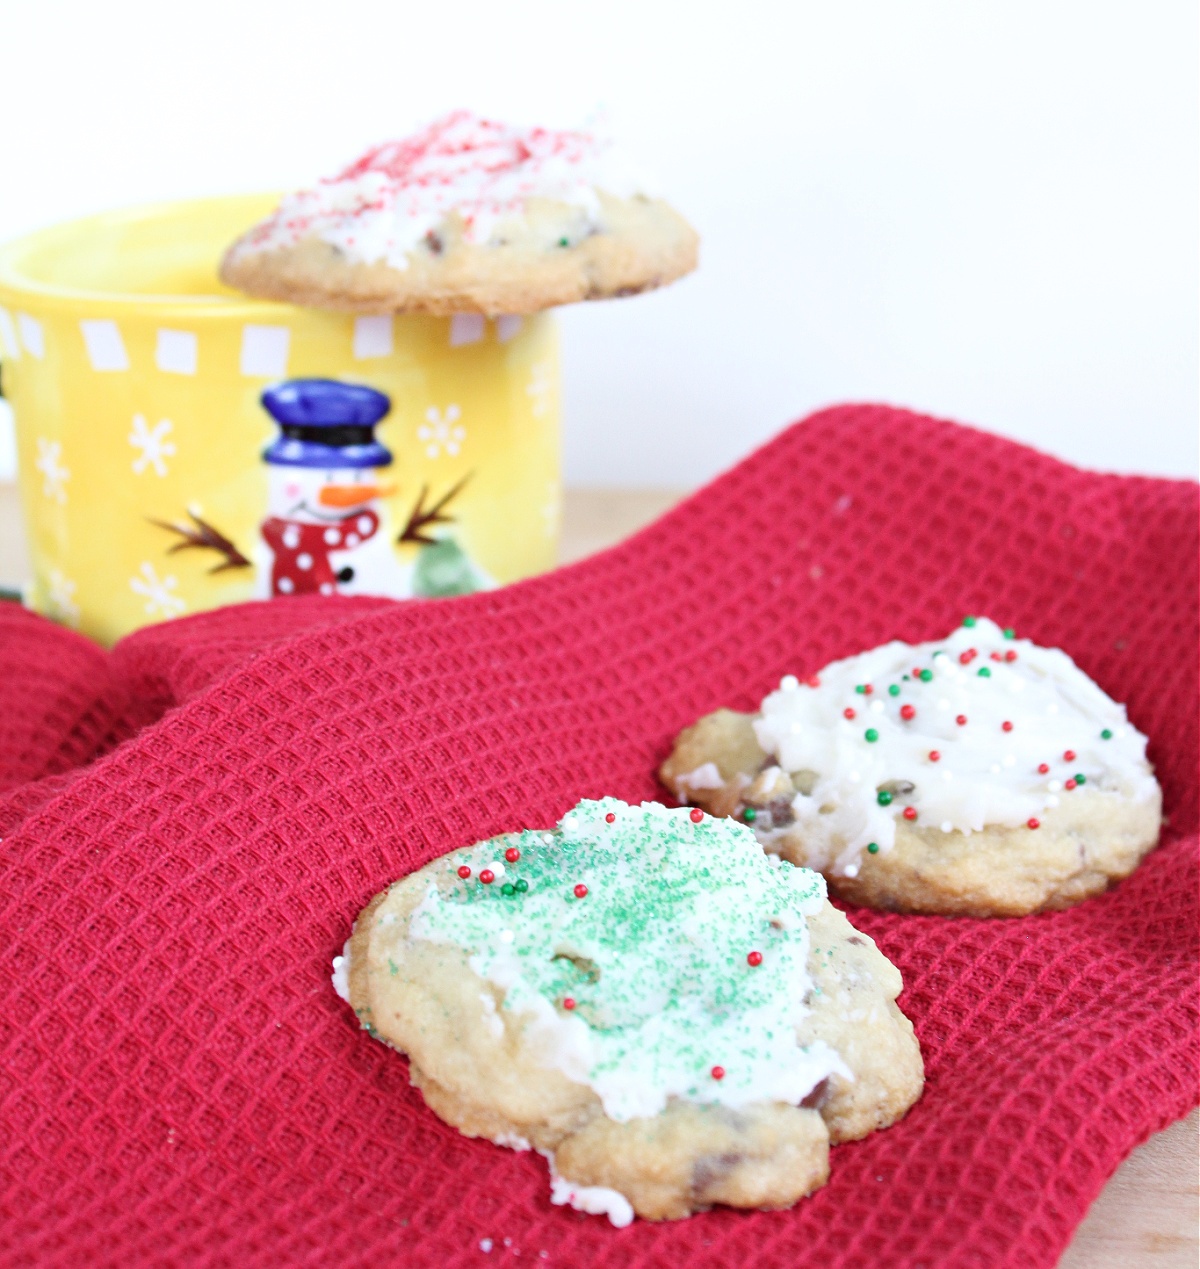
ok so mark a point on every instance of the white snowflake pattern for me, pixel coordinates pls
(49, 463)
(60, 598)
(442, 431)
(152, 445)
(160, 602)
(539, 388)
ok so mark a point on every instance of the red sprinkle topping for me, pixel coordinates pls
(1006, 725)
(1043, 768)
(581, 891)
(997, 657)
(1010, 655)
(512, 854)
(867, 689)
(848, 712)
(916, 672)
(464, 872)
(1033, 823)
(965, 658)
(754, 958)
(910, 812)
(697, 815)
(610, 818)
(961, 720)
(934, 756)
(907, 712)
(1070, 784)
(814, 681)
(718, 1072)
(1069, 756)
(487, 876)
(568, 1002)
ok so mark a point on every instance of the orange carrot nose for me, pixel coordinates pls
(352, 495)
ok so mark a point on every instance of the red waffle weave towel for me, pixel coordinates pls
(179, 1085)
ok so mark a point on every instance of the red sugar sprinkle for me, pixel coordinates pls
(581, 891)
(867, 689)
(934, 756)
(1070, 784)
(754, 958)
(965, 658)
(910, 812)
(907, 711)
(1043, 768)
(718, 1072)
(1034, 823)
(487, 876)
(961, 720)
(1010, 655)
(1069, 755)
(1006, 725)
(568, 1002)
(464, 872)
(997, 657)
(814, 681)
(512, 854)
(697, 815)
(916, 672)
(610, 818)
(848, 712)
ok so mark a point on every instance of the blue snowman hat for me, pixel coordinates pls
(325, 423)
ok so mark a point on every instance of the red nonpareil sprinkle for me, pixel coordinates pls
(718, 1072)
(568, 1002)
(934, 756)
(487, 876)
(1069, 755)
(610, 818)
(997, 657)
(1006, 725)
(814, 681)
(1043, 768)
(1033, 823)
(1010, 655)
(848, 713)
(916, 672)
(965, 658)
(697, 815)
(581, 891)
(1070, 784)
(867, 689)
(910, 812)
(907, 712)
(464, 872)
(754, 958)
(961, 720)
(512, 854)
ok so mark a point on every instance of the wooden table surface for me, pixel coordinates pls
(1147, 1215)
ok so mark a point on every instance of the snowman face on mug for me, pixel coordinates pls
(314, 495)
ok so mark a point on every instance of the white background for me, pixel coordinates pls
(986, 210)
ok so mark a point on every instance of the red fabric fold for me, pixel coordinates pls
(196, 819)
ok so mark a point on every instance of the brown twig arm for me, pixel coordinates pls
(420, 519)
(205, 538)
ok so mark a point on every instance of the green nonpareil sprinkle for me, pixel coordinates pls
(871, 735)
(749, 815)
(894, 689)
(984, 672)
(883, 797)
(861, 688)
(1010, 633)
(1080, 778)
(564, 242)
(969, 622)
(522, 886)
(872, 848)
(926, 676)
(1106, 734)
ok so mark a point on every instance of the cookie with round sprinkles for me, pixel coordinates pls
(977, 775)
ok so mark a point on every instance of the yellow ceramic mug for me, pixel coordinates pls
(137, 383)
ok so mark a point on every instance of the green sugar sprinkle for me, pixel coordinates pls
(969, 622)
(655, 956)
(894, 689)
(984, 672)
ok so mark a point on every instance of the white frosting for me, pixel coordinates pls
(984, 772)
(385, 203)
(341, 973)
(596, 1200)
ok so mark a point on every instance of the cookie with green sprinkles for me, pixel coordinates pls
(977, 775)
(672, 1017)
